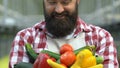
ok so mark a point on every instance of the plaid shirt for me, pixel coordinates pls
(36, 36)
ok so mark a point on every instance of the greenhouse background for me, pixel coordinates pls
(19, 14)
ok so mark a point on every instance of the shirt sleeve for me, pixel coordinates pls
(107, 49)
(17, 53)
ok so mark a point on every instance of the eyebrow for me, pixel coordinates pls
(62, 0)
(51, 0)
(67, 0)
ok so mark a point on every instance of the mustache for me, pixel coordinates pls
(65, 13)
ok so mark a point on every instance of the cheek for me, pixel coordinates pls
(49, 9)
(70, 8)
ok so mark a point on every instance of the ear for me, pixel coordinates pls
(78, 1)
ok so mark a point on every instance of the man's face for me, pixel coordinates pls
(60, 16)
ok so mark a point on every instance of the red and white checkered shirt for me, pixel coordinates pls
(36, 36)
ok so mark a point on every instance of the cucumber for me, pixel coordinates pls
(23, 65)
(52, 54)
(91, 47)
(32, 55)
(30, 52)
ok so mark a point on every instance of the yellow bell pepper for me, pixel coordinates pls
(78, 61)
(84, 59)
(54, 64)
(85, 53)
(97, 66)
(88, 62)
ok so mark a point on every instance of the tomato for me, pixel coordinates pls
(65, 47)
(67, 58)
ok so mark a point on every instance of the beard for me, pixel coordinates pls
(61, 27)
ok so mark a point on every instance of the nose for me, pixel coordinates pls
(59, 8)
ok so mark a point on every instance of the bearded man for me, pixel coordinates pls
(62, 25)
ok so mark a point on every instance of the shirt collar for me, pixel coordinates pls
(83, 26)
(40, 26)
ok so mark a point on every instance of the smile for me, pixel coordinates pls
(59, 16)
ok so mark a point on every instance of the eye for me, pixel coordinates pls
(52, 2)
(65, 2)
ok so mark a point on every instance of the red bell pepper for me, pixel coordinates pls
(41, 61)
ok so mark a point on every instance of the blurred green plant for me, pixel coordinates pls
(4, 62)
